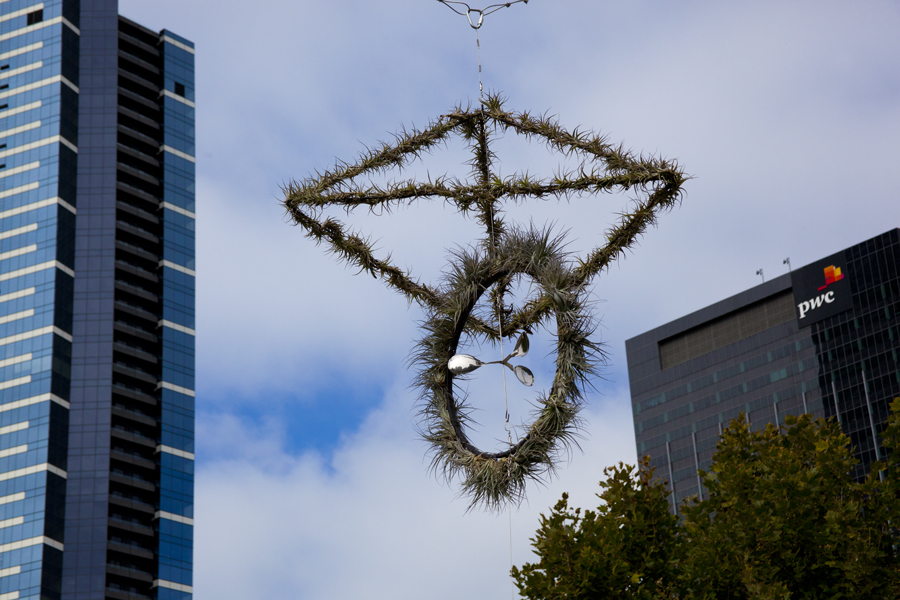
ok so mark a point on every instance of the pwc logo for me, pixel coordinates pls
(815, 301)
(832, 274)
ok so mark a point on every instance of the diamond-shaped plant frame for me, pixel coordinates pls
(494, 479)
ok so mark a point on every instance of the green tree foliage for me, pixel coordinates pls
(782, 518)
(623, 550)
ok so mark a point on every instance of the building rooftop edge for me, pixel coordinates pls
(725, 306)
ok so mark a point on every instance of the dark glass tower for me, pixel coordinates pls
(824, 339)
(96, 304)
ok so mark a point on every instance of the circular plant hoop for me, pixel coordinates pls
(498, 478)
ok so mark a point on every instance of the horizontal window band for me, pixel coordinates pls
(14, 428)
(177, 153)
(9, 383)
(18, 190)
(176, 327)
(175, 388)
(55, 139)
(37, 205)
(4, 235)
(21, 12)
(14, 450)
(12, 498)
(178, 209)
(175, 452)
(33, 400)
(20, 169)
(18, 252)
(179, 268)
(20, 129)
(41, 25)
(170, 585)
(27, 335)
(16, 359)
(15, 317)
(11, 571)
(176, 43)
(11, 522)
(175, 96)
(31, 471)
(35, 268)
(15, 295)
(22, 50)
(20, 109)
(38, 84)
(23, 69)
(161, 514)
(42, 539)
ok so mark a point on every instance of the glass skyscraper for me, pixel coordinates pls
(824, 339)
(96, 304)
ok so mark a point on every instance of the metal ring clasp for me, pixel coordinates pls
(480, 17)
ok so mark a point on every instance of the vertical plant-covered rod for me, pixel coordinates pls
(486, 201)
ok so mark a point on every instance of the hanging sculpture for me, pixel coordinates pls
(507, 254)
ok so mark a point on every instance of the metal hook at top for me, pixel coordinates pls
(480, 12)
(480, 17)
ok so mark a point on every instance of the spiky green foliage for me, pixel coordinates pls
(493, 479)
(656, 183)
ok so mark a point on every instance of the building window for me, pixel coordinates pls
(179, 89)
(35, 17)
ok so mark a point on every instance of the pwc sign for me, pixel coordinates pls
(821, 290)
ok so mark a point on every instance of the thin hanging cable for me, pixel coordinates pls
(480, 86)
(512, 586)
(479, 15)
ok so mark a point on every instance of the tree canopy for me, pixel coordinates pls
(783, 519)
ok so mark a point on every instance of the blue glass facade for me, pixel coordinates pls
(39, 49)
(96, 304)
(176, 458)
(754, 354)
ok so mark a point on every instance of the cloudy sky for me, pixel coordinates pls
(311, 481)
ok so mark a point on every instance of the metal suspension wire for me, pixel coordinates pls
(476, 19)
(478, 13)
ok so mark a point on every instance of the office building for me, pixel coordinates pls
(96, 304)
(823, 339)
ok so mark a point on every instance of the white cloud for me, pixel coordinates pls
(368, 521)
